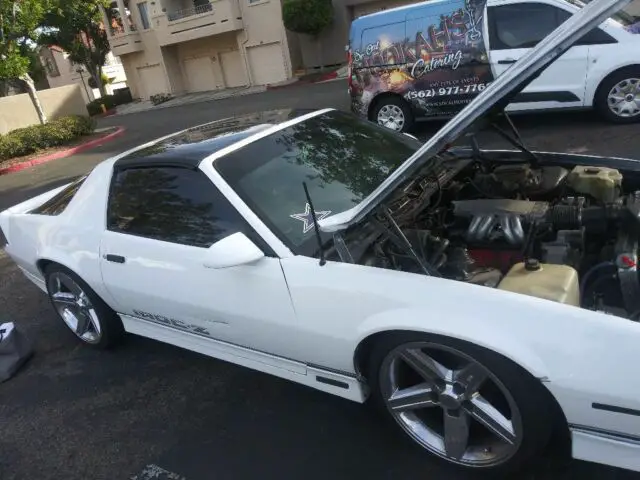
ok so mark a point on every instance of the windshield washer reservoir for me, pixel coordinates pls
(558, 283)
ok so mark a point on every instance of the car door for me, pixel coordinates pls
(161, 221)
(515, 28)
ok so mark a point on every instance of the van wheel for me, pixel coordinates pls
(393, 113)
(618, 98)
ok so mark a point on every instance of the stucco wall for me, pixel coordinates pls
(335, 38)
(18, 111)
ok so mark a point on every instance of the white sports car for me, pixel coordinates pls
(484, 300)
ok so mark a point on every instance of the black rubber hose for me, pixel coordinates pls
(593, 270)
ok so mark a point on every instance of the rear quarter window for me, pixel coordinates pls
(57, 204)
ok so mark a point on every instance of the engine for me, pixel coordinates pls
(568, 235)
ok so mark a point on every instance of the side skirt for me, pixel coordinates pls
(321, 379)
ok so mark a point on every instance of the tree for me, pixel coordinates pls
(309, 17)
(76, 26)
(19, 22)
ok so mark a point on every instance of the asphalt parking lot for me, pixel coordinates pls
(150, 410)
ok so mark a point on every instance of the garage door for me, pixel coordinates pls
(199, 74)
(373, 7)
(233, 69)
(267, 64)
(151, 80)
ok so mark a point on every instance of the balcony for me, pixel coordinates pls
(219, 16)
(122, 42)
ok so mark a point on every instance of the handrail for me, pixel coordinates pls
(189, 12)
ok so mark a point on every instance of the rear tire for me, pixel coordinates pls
(495, 419)
(393, 113)
(81, 309)
(618, 97)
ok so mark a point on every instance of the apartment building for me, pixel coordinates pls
(185, 46)
(60, 71)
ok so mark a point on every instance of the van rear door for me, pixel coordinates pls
(516, 26)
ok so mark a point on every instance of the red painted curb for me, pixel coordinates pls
(62, 153)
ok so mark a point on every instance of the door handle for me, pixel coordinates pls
(507, 61)
(114, 258)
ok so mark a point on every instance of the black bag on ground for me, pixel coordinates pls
(15, 350)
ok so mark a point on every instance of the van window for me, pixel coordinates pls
(522, 25)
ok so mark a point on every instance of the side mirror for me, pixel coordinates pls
(232, 251)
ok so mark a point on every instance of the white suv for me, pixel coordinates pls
(601, 71)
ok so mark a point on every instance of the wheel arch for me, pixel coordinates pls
(91, 277)
(561, 435)
(634, 67)
(381, 96)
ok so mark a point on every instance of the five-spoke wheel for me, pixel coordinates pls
(464, 404)
(81, 309)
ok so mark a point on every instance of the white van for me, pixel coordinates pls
(429, 59)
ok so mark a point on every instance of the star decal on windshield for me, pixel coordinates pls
(307, 219)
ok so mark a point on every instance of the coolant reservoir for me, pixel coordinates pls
(558, 283)
(601, 183)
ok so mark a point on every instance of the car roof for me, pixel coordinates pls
(191, 146)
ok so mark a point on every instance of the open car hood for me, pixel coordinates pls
(493, 99)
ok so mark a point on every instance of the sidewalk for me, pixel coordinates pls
(189, 98)
(199, 97)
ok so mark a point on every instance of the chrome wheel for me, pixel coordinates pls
(450, 404)
(392, 117)
(74, 307)
(624, 98)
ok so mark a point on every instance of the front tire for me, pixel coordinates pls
(81, 309)
(393, 113)
(618, 97)
(465, 405)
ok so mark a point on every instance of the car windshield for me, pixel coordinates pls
(628, 21)
(340, 157)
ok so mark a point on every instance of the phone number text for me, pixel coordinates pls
(442, 91)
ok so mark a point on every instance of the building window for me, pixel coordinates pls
(144, 15)
(50, 66)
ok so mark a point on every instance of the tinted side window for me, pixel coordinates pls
(594, 37)
(57, 204)
(176, 205)
(522, 25)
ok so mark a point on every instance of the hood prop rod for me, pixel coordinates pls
(517, 141)
(397, 236)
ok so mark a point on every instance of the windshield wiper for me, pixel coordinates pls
(316, 228)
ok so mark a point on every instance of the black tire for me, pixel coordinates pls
(111, 330)
(536, 406)
(394, 101)
(601, 103)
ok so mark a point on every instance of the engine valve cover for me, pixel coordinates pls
(500, 207)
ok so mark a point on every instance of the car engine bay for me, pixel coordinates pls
(566, 234)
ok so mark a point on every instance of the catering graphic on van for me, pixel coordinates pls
(432, 55)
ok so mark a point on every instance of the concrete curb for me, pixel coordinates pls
(63, 153)
(336, 75)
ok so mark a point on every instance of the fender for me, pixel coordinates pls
(504, 342)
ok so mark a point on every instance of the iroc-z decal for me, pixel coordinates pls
(172, 322)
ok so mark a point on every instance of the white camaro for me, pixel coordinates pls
(484, 300)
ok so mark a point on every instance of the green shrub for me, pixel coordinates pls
(25, 141)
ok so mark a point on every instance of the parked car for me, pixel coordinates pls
(484, 301)
(428, 60)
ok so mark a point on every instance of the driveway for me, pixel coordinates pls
(148, 408)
